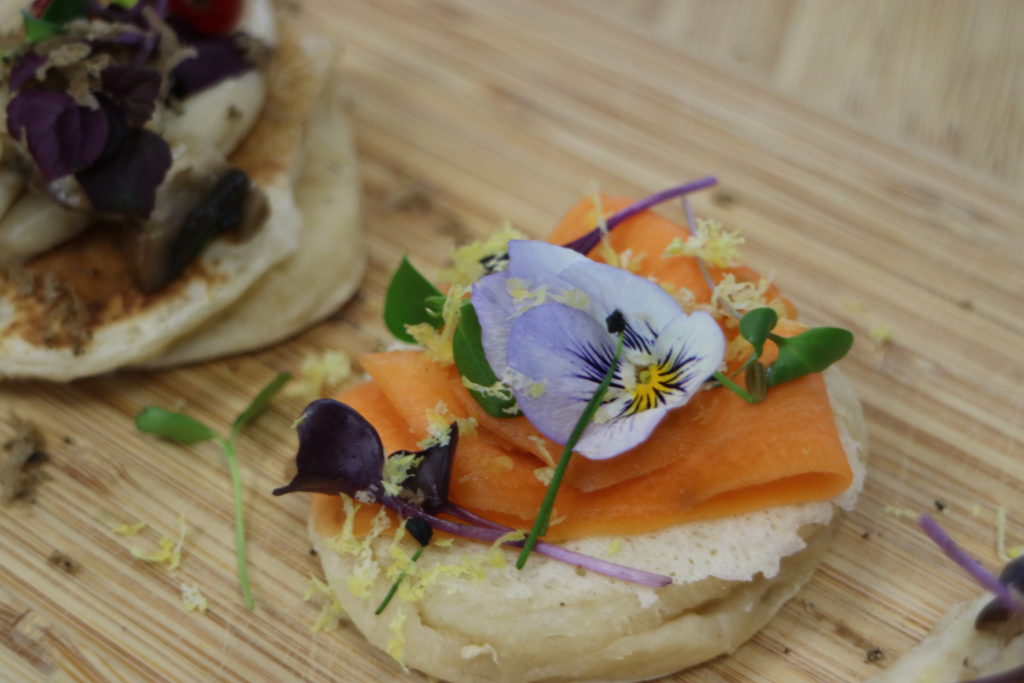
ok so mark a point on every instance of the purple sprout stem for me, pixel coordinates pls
(495, 531)
(588, 241)
(973, 567)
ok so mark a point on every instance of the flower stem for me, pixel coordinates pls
(240, 553)
(394, 587)
(734, 388)
(540, 524)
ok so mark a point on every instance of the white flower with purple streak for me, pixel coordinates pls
(544, 333)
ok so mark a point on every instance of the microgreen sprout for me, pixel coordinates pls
(187, 430)
(969, 564)
(420, 530)
(616, 325)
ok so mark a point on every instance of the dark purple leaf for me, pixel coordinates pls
(126, 179)
(62, 136)
(216, 60)
(134, 90)
(24, 70)
(429, 481)
(339, 451)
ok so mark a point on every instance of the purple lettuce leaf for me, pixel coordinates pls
(24, 70)
(339, 451)
(126, 179)
(134, 90)
(216, 60)
(62, 136)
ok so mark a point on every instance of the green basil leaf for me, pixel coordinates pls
(468, 349)
(60, 12)
(810, 351)
(756, 325)
(406, 301)
(173, 426)
(38, 30)
(261, 402)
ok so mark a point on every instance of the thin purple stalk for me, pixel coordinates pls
(973, 567)
(590, 240)
(491, 534)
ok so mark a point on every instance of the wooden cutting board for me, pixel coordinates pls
(468, 114)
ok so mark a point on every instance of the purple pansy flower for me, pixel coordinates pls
(544, 334)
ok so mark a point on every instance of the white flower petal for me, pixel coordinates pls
(606, 440)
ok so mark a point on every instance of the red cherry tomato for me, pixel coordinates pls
(208, 17)
(38, 7)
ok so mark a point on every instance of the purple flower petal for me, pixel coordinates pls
(62, 136)
(126, 180)
(567, 352)
(25, 70)
(133, 90)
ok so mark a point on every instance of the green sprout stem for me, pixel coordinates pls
(540, 524)
(735, 388)
(241, 557)
(394, 587)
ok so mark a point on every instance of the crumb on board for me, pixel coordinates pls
(63, 562)
(169, 552)
(19, 457)
(880, 334)
(940, 506)
(894, 511)
(192, 598)
(874, 655)
(854, 305)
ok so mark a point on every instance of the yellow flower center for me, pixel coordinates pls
(653, 383)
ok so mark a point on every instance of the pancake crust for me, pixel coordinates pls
(550, 622)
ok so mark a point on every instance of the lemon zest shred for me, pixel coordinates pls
(396, 470)
(396, 646)
(332, 612)
(364, 569)
(438, 421)
(615, 547)
(544, 474)
(498, 390)
(607, 251)
(130, 529)
(541, 450)
(192, 598)
(854, 305)
(713, 243)
(438, 343)
(576, 298)
(169, 552)
(468, 260)
(321, 374)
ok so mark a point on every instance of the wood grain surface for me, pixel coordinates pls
(470, 113)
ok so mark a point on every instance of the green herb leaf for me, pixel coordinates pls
(173, 426)
(38, 30)
(471, 361)
(756, 325)
(406, 301)
(60, 12)
(261, 402)
(807, 352)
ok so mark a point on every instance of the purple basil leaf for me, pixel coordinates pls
(62, 136)
(25, 70)
(215, 60)
(134, 90)
(126, 179)
(429, 480)
(339, 451)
